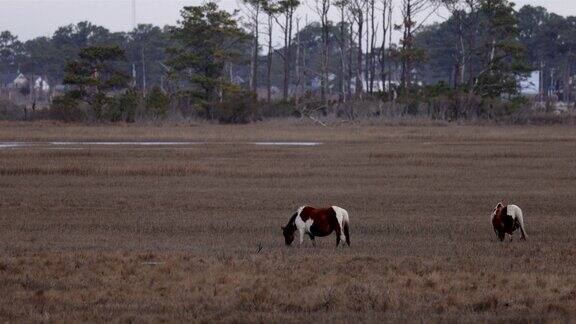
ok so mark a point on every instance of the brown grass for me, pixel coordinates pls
(172, 233)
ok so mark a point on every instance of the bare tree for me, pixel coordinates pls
(270, 10)
(371, 58)
(474, 20)
(343, 43)
(322, 8)
(350, 56)
(357, 8)
(386, 23)
(465, 14)
(390, 24)
(457, 11)
(298, 66)
(253, 8)
(286, 8)
(410, 10)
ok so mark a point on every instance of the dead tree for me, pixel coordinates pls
(286, 8)
(457, 11)
(390, 24)
(357, 8)
(386, 24)
(410, 10)
(298, 66)
(322, 8)
(253, 8)
(371, 57)
(343, 44)
(350, 57)
(270, 11)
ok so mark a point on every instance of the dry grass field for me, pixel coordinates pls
(172, 233)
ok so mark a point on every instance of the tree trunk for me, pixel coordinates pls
(407, 48)
(359, 86)
(324, 65)
(298, 75)
(383, 46)
(367, 55)
(269, 63)
(390, 9)
(256, 33)
(286, 65)
(372, 45)
(287, 51)
(350, 61)
(343, 41)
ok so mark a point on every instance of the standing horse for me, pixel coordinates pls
(506, 220)
(319, 222)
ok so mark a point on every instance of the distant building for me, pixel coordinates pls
(19, 82)
(378, 85)
(530, 85)
(25, 90)
(316, 82)
(41, 85)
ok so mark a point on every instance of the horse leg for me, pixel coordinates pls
(301, 232)
(521, 225)
(347, 233)
(312, 239)
(523, 237)
(338, 235)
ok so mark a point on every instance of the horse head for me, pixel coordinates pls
(288, 232)
(498, 209)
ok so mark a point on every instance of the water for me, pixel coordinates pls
(59, 145)
(288, 143)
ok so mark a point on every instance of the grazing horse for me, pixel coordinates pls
(319, 222)
(506, 219)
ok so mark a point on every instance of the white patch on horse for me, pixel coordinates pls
(303, 226)
(516, 213)
(342, 217)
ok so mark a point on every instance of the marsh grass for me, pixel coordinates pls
(193, 233)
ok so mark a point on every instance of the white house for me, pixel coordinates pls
(20, 81)
(41, 85)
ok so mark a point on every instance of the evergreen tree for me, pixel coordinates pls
(95, 79)
(208, 41)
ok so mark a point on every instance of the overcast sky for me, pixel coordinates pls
(32, 18)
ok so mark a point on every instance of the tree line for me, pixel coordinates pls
(224, 65)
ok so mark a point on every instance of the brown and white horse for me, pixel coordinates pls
(319, 222)
(506, 219)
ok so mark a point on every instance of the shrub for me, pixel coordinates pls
(236, 108)
(10, 111)
(281, 108)
(157, 103)
(66, 109)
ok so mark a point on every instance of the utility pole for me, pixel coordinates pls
(133, 14)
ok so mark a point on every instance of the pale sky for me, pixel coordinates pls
(32, 18)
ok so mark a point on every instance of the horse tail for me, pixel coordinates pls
(347, 232)
(346, 225)
(520, 218)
